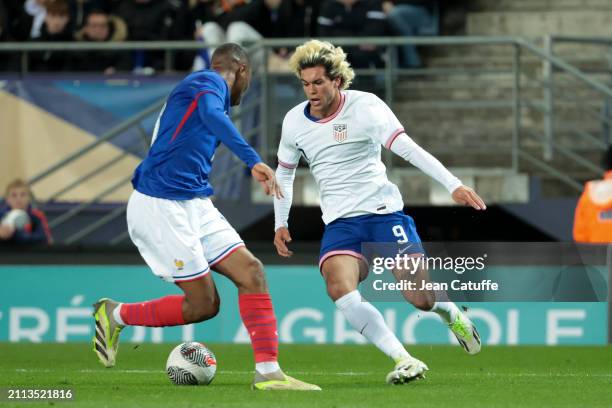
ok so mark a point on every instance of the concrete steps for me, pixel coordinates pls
(495, 184)
(538, 5)
(537, 23)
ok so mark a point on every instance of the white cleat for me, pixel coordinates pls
(407, 370)
(466, 333)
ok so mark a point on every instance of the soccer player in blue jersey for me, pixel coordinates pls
(179, 232)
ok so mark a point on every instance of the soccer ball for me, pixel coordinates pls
(191, 364)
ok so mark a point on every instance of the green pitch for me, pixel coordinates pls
(351, 376)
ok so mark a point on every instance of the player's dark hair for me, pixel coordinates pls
(96, 10)
(230, 52)
(58, 8)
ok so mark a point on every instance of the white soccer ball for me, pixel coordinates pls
(16, 218)
(191, 364)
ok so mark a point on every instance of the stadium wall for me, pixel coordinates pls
(39, 120)
(52, 304)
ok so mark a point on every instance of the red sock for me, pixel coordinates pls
(258, 318)
(166, 311)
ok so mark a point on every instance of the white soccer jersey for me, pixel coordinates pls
(344, 154)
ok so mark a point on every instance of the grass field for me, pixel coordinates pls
(351, 376)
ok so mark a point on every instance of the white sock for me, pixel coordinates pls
(117, 314)
(448, 311)
(367, 320)
(267, 367)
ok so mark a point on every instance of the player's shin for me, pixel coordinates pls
(367, 320)
(166, 311)
(258, 317)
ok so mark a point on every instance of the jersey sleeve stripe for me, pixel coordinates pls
(393, 136)
(192, 107)
(287, 165)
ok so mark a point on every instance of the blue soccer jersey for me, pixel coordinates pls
(194, 121)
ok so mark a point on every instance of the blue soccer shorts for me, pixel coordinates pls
(345, 236)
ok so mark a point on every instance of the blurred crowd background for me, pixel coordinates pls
(213, 21)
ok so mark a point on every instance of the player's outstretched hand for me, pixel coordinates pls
(466, 196)
(281, 239)
(266, 177)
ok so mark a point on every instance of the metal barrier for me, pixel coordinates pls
(604, 113)
(519, 71)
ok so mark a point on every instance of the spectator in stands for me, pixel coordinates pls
(217, 21)
(80, 9)
(411, 18)
(285, 19)
(22, 224)
(102, 27)
(148, 20)
(221, 21)
(355, 18)
(593, 218)
(56, 27)
(189, 27)
(35, 16)
(25, 19)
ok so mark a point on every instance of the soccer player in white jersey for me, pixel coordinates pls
(339, 133)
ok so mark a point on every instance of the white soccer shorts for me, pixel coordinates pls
(180, 240)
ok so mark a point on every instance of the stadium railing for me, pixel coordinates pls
(525, 55)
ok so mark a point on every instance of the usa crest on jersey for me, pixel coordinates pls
(340, 132)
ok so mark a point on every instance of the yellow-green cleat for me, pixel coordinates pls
(279, 381)
(106, 339)
(466, 333)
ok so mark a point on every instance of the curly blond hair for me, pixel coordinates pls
(314, 53)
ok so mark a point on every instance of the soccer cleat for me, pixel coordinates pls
(466, 333)
(106, 339)
(279, 381)
(407, 370)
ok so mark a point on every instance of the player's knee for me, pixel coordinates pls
(205, 310)
(336, 290)
(424, 301)
(256, 278)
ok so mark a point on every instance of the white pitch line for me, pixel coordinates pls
(346, 373)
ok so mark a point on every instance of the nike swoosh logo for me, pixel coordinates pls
(401, 251)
